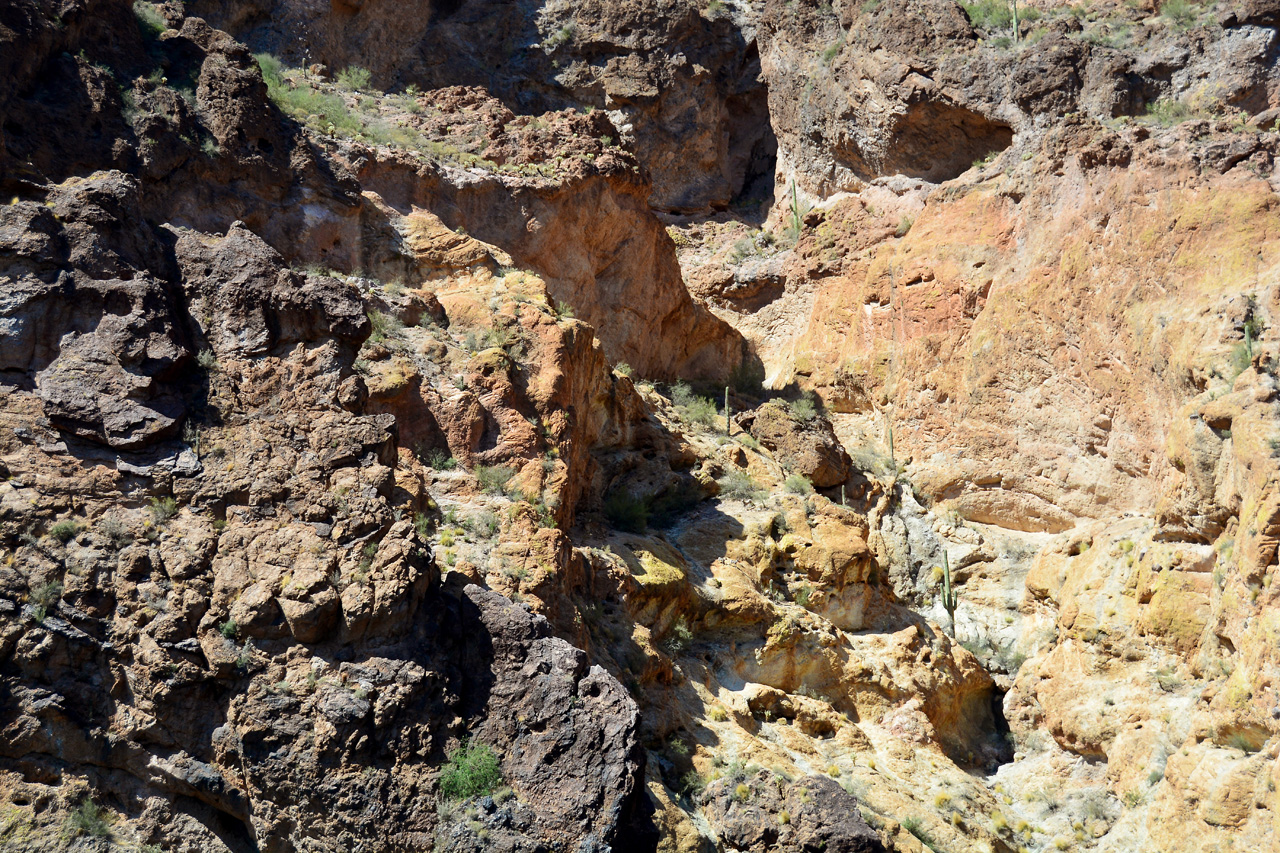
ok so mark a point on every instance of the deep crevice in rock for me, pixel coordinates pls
(752, 157)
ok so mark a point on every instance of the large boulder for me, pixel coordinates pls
(807, 446)
(766, 812)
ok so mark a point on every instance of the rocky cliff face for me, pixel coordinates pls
(681, 81)
(350, 501)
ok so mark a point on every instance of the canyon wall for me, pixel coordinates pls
(345, 460)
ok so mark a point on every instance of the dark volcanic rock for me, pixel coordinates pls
(89, 320)
(765, 812)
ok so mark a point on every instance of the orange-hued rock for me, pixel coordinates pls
(319, 459)
(552, 198)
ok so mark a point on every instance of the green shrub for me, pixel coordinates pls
(437, 459)
(472, 770)
(301, 102)
(803, 409)
(912, 825)
(229, 629)
(797, 484)
(737, 484)
(626, 512)
(207, 361)
(1181, 13)
(384, 326)
(64, 531)
(831, 51)
(561, 36)
(692, 784)
(150, 22)
(701, 411)
(1169, 111)
(748, 378)
(679, 639)
(45, 596)
(87, 819)
(988, 15)
(1243, 743)
(272, 70)
(690, 407)
(623, 369)
(904, 226)
(355, 78)
(742, 248)
(162, 509)
(1241, 358)
(423, 524)
(681, 394)
(494, 479)
(484, 525)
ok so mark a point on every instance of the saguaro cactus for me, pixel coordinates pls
(948, 592)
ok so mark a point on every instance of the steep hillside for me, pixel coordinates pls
(654, 426)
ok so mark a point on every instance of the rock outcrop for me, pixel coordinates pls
(680, 80)
(349, 498)
(238, 640)
(763, 812)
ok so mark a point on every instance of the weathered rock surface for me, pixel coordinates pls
(239, 641)
(681, 81)
(589, 234)
(767, 812)
(1031, 283)
(938, 93)
(809, 448)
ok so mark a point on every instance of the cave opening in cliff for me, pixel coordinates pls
(1000, 730)
(752, 147)
(939, 141)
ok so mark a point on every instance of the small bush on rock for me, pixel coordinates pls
(45, 596)
(437, 459)
(679, 639)
(494, 479)
(803, 409)
(64, 531)
(798, 484)
(691, 407)
(384, 326)
(472, 770)
(738, 485)
(150, 21)
(87, 819)
(162, 509)
(989, 15)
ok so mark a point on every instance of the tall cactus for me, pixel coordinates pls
(948, 592)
